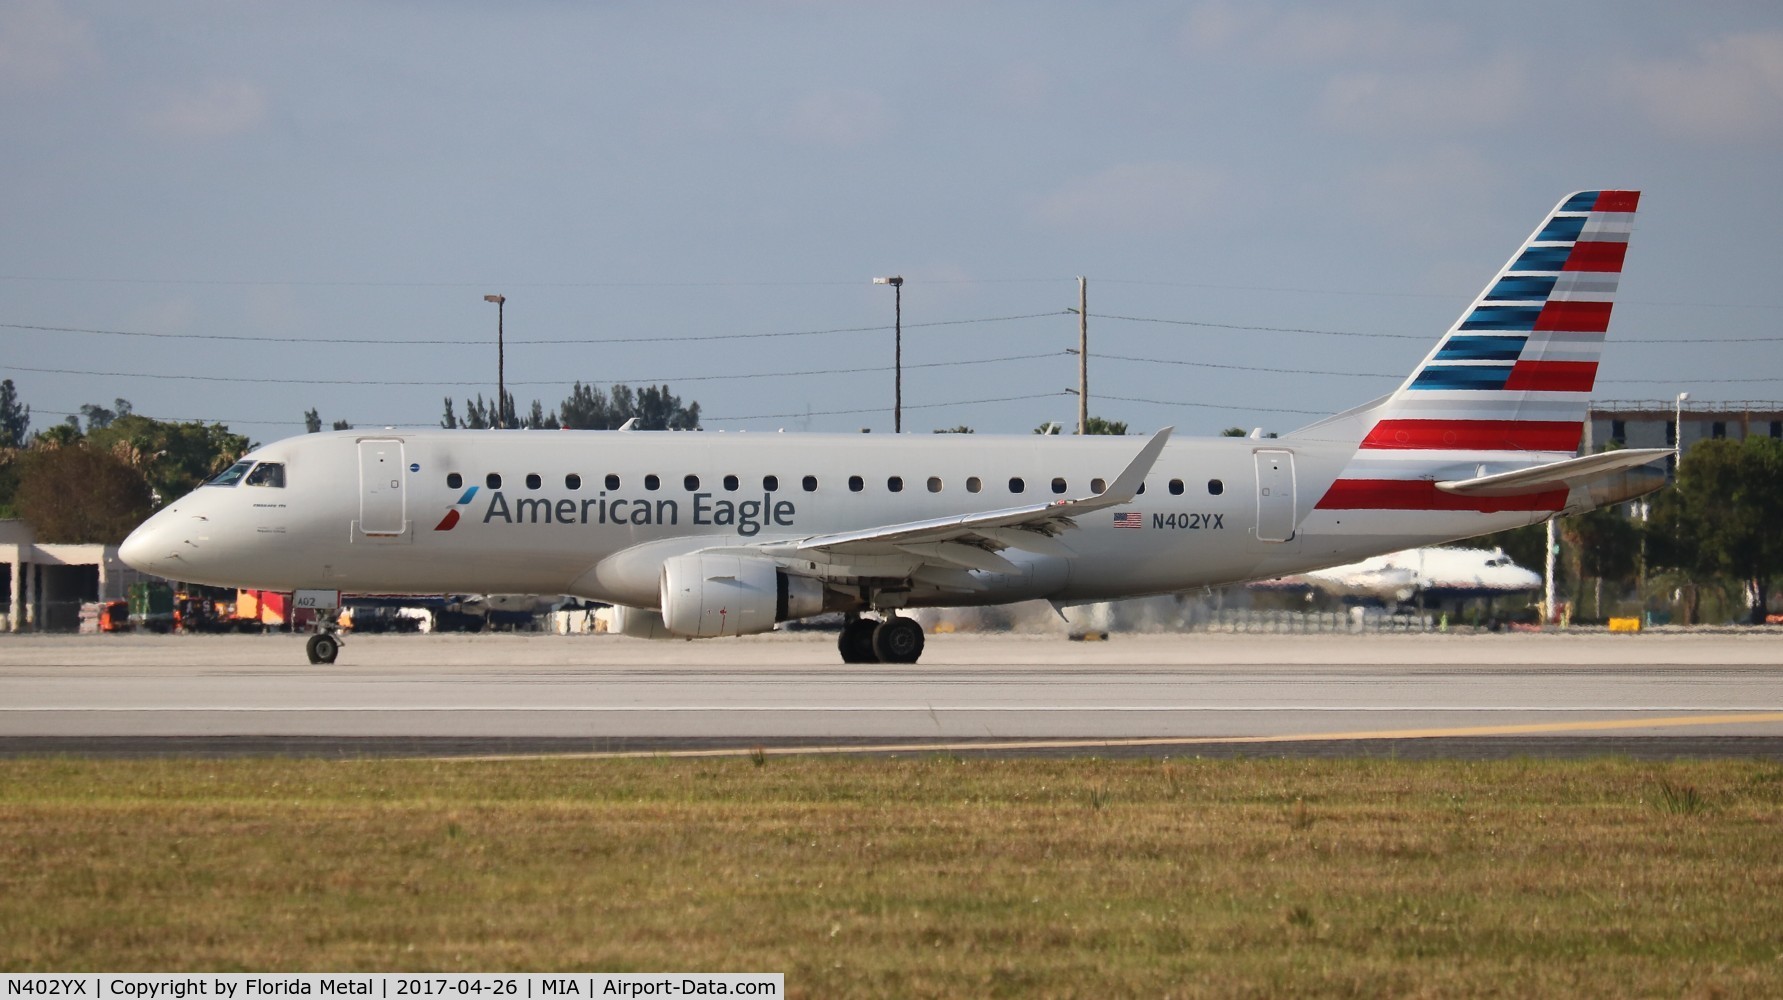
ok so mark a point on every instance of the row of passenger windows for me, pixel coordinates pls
(856, 484)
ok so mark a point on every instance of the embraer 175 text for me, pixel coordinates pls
(697, 535)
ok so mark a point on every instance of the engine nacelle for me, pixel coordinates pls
(710, 594)
(639, 623)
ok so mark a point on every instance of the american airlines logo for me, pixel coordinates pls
(450, 521)
(746, 517)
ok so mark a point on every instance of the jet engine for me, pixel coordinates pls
(710, 594)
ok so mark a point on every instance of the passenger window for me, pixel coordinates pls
(770, 483)
(1176, 487)
(1058, 485)
(809, 484)
(533, 481)
(652, 483)
(934, 484)
(493, 480)
(1098, 486)
(1016, 485)
(692, 483)
(974, 484)
(572, 482)
(1141, 490)
(231, 475)
(268, 474)
(612, 481)
(895, 484)
(731, 483)
(454, 481)
(856, 484)
(1215, 487)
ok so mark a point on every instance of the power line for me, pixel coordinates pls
(1212, 406)
(437, 384)
(551, 341)
(881, 409)
(1244, 368)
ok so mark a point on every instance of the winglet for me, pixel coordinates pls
(1126, 486)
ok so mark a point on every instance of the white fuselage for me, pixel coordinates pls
(596, 513)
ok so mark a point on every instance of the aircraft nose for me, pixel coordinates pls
(149, 548)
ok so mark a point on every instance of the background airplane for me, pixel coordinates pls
(1435, 576)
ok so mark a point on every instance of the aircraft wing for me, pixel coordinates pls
(1555, 475)
(971, 541)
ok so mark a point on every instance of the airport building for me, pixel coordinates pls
(45, 585)
(1659, 423)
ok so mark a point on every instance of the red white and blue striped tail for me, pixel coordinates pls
(1508, 385)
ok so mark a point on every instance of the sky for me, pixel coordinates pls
(1279, 207)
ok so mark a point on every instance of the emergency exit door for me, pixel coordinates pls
(1275, 496)
(380, 487)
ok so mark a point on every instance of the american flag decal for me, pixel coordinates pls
(1133, 519)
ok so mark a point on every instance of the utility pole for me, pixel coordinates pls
(501, 380)
(1552, 549)
(1082, 392)
(897, 283)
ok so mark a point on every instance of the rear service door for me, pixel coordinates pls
(1275, 496)
(381, 476)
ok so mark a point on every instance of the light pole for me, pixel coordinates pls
(897, 283)
(501, 387)
(1678, 435)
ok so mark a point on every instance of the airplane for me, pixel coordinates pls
(1439, 574)
(696, 535)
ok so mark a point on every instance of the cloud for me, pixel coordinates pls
(1727, 87)
(1314, 34)
(1457, 100)
(839, 118)
(218, 109)
(1397, 195)
(1129, 197)
(40, 43)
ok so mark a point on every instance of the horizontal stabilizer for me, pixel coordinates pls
(1553, 476)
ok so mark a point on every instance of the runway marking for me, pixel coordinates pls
(1523, 729)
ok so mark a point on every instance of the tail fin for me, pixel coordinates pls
(1509, 385)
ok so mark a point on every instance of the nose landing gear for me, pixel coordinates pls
(323, 647)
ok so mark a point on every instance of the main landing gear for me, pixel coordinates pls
(892, 640)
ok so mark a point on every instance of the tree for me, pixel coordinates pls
(955, 429)
(82, 494)
(1722, 516)
(1234, 432)
(341, 425)
(312, 422)
(1096, 425)
(1604, 544)
(15, 420)
(99, 417)
(175, 458)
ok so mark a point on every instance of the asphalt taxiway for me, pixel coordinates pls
(1466, 695)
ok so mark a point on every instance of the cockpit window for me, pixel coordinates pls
(231, 475)
(268, 474)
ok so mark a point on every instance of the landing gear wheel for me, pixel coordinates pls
(323, 648)
(898, 640)
(856, 641)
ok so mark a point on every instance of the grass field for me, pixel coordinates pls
(921, 876)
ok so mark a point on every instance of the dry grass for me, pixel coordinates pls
(914, 877)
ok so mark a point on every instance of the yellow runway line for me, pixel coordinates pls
(1520, 729)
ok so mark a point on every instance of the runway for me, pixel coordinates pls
(1471, 695)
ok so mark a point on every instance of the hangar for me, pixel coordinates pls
(46, 584)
